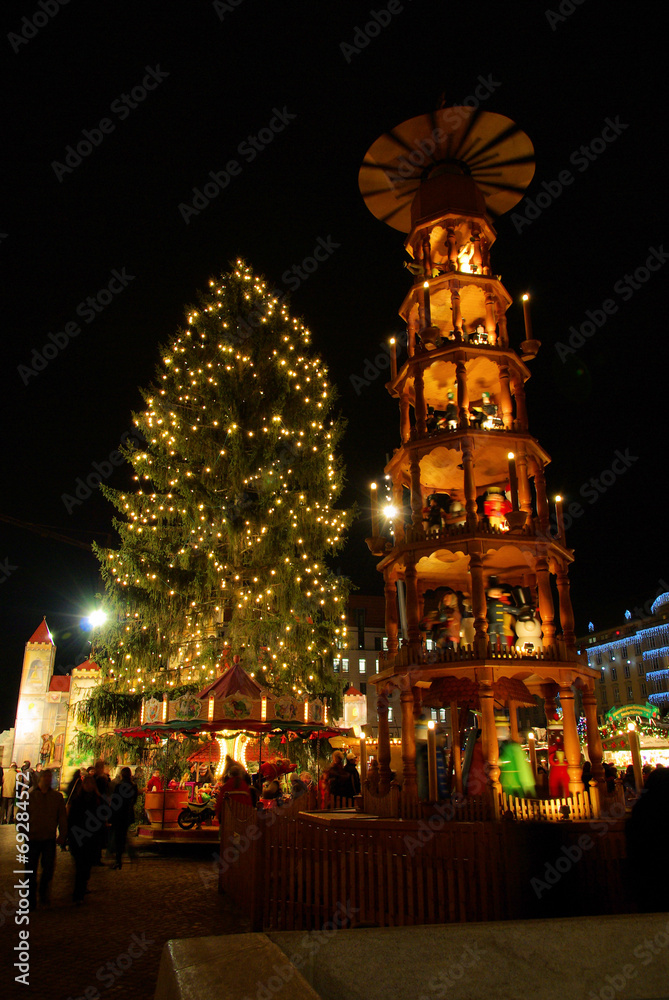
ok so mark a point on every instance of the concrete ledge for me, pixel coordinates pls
(228, 967)
(562, 959)
(581, 958)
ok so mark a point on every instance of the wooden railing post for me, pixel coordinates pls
(595, 802)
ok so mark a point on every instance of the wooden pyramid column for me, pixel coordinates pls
(489, 734)
(384, 742)
(595, 752)
(572, 746)
(409, 784)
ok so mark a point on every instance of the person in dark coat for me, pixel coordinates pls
(351, 768)
(123, 811)
(646, 836)
(102, 785)
(82, 821)
(338, 779)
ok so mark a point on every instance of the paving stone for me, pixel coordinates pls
(157, 898)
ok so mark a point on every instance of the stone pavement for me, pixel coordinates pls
(110, 945)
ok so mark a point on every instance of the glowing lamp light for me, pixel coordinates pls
(373, 497)
(393, 358)
(630, 727)
(526, 316)
(430, 724)
(559, 513)
(390, 511)
(96, 618)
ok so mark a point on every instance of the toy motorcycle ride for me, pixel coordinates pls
(197, 813)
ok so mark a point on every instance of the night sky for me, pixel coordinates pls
(329, 78)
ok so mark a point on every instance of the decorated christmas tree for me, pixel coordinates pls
(224, 542)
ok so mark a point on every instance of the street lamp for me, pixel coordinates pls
(96, 618)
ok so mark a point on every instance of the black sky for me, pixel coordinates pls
(224, 74)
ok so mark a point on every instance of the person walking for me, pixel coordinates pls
(82, 820)
(338, 779)
(123, 814)
(8, 794)
(351, 768)
(74, 783)
(102, 785)
(31, 777)
(46, 813)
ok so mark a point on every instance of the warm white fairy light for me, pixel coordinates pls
(200, 365)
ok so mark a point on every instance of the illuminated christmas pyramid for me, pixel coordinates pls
(475, 562)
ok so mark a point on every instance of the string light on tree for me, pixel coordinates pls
(223, 544)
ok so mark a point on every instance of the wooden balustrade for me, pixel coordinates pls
(408, 655)
(579, 806)
(448, 532)
(289, 870)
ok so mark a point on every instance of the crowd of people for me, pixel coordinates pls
(94, 814)
(338, 784)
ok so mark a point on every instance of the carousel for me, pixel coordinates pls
(233, 717)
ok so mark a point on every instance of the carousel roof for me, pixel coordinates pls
(191, 727)
(233, 681)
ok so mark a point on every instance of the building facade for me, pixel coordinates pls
(46, 723)
(363, 656)
(632, 659)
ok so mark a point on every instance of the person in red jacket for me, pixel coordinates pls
(155, 782)
(236, 788)
(558, 776)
